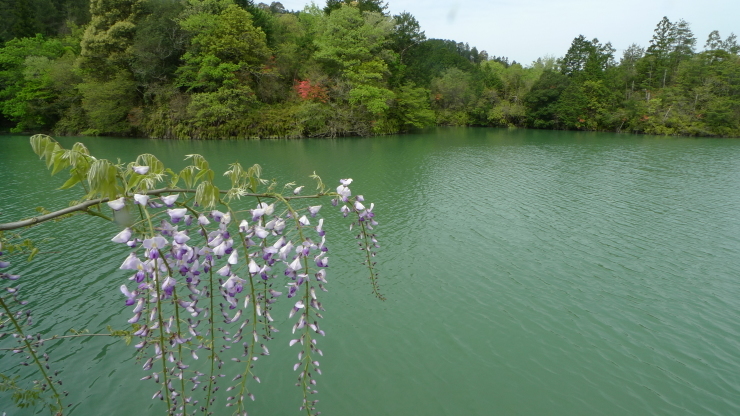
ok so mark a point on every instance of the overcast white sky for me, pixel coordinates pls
(524, 30)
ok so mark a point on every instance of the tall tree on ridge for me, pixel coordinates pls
(364, 5)
(587, 58)
(406, 33)
(353, 50)
(672, 43)
(108, 40)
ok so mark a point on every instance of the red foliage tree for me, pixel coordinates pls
(308, 91)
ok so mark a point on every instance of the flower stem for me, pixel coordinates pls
(162, 344)
(32, 353)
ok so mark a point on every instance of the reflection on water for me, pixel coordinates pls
(526, 272)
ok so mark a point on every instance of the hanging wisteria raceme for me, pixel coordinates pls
(209, 272)
(15, 318)
(204, 285)
(186, 262)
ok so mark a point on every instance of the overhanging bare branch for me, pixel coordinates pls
(87, 204)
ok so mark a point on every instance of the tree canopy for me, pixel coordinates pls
(212, 69)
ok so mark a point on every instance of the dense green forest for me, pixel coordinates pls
(212, 69)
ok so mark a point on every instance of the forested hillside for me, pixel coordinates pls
(213, 69)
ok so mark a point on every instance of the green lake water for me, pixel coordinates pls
(526, 273)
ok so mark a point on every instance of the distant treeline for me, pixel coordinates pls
(213, 69)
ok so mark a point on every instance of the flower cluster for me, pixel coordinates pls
(366, 222)
(205, 283)
(5, 276)
(205, 277)
(14, 319)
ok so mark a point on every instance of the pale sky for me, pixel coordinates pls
(527, 29)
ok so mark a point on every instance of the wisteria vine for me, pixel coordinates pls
(207, 270)
(15, 321)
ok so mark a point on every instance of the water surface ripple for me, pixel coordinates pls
(527, 273)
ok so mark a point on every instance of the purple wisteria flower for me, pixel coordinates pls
(153, 245)
(367, 214)
(181, 237)
(170, 199)
(141, 170)
(167, 229)
(233, 284)
(313, 210)
(276, 224)
(130, 296)
(261, 232)
(217, 215)
(285, 250)
(253, 267)
(321, 260)
(262, 209)
(141, 199)
(131, 262)
(168, 286)
(295, 265)
(122, 237)
(224, 271)
(117, 204)
(243, 226)
(344, 192)
(177, 214)
(234, 257)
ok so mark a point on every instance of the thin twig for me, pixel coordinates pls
(87, 204)
(55, 337)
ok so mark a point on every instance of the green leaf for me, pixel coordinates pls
(202, 173)
(174, 178)
(59, 162)
(236, 173)
(51, 150)
(102, 179)
(199, 161)
(155, 165)
(72, 181)
(206, 195)
(39, 142)
(187, 175)
(135, 181)
(81, 149)
(319, 183)
(255, 170)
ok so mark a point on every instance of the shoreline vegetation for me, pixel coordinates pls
(226, 69)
